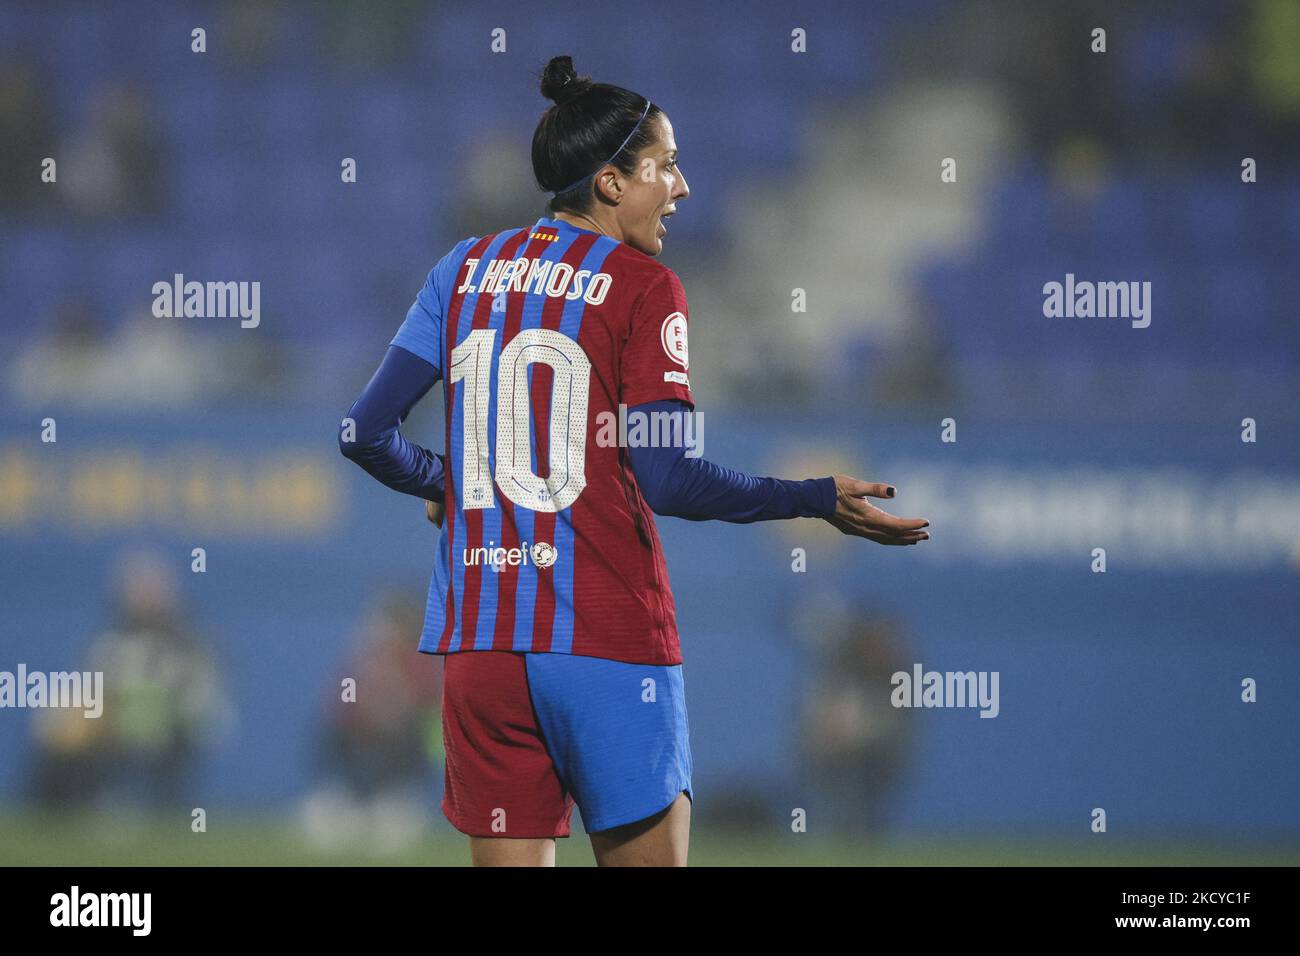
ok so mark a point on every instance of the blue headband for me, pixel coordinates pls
(611, 158)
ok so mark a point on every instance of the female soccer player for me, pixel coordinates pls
(550, 598)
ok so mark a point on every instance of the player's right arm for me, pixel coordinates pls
(679, 485)
(653, 381)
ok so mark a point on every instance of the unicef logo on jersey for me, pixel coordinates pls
(544, 554)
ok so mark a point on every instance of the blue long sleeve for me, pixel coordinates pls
(698, 490)
(377, 444)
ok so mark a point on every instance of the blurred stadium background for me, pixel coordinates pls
(817, 171)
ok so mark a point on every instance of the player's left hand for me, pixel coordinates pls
(855, 515)
(434, 511)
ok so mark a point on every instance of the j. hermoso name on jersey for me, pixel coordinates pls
(539, 276)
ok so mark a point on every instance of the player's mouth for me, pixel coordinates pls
(662, 224)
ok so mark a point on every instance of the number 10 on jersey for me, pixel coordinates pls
(471, 363)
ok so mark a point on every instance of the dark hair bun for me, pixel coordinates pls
(560, 82)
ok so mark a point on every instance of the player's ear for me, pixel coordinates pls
(610, 185)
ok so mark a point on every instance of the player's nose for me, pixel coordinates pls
(682, 191)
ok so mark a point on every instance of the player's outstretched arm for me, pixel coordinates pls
(679, 485)
(693, 488)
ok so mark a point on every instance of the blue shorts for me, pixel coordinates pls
(529, 735)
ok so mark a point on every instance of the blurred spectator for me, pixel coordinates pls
(854, 741)
(162, 699)
(115, 162)
(381, 737)
(26, 138)
(252, 28)
(376, 33)
(1063, 90)
(1273, 61)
